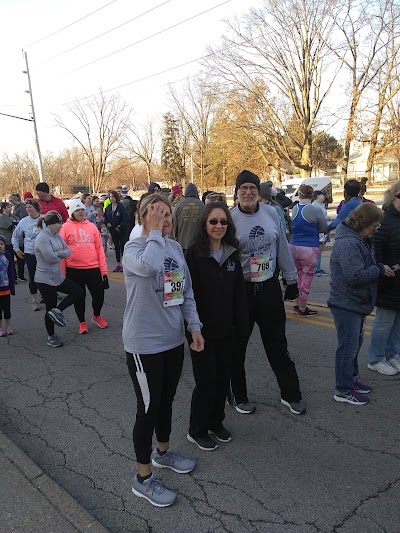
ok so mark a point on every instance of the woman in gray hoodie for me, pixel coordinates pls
(354, 287)
(50, 249)
(159, 297)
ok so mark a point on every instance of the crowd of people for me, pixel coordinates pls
(198, 270)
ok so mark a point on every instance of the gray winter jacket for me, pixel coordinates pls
(50, 249)
(354, 272)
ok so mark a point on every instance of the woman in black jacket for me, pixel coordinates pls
(384, 349)
(116, 218)
(218, 285)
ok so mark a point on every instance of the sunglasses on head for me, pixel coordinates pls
(214, 222)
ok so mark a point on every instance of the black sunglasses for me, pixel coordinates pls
(214, 222)
(398, 195)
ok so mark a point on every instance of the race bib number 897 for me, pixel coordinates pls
(174, 283)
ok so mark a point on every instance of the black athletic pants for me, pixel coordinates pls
(93, 280)
(5, 307)
(30, 260)
(119, 239)
(49, 294)
(212, 373)
(155, 378)
(266, 308)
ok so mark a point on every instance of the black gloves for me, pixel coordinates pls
(291, 292)
(105, 283)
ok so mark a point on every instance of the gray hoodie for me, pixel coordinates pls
(262, 233)
(149, 326)
(354, 272)
(50, 249)
(27, 229)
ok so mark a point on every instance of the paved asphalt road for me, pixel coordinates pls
(335, 469)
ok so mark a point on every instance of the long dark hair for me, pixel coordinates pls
(200, 239)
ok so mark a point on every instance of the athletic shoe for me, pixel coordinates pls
(118, 268)
(21, 278)
(83, 328)
(35, 306)
(361, 388)
(3, 332)
(306, 312)
(245, 408)
(295, 309)
(54, 341)
(221, 434)
(153, 491)
(321, 273)
(204, 443)
(395, 362)
(297, 408)
(350, 397)
(383, 367)
(9, 331)
(57, 317)
(172, 460)
(99, 320)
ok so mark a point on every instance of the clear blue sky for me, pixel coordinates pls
(57, 80)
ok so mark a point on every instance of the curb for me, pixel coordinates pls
(59, 499)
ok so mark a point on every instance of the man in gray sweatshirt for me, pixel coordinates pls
(263, 245)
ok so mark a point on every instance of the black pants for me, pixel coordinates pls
(212, 372)
(5, 307)
(119, 240)
(155, 378)
(92, 279)
(49, 294)
(266, 308)
(30, 260)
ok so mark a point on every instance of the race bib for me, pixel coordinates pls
(261, 267)
(174, 283)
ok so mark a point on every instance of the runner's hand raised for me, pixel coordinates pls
(156, 216)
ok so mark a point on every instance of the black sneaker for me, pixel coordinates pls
(297, 408)
(21, 278)
(204, 443)
(57, 317)
(306, 312)
(221, 434)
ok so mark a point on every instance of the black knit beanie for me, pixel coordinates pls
(247, 177)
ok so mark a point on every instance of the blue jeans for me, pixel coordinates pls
(349, 330)
(385, 336)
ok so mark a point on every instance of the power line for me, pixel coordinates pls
(140, 79)
(151, 36)
(108, 31)
(13, 116)
(72, 23)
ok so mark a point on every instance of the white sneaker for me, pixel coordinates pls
(395, 362)
(383, 367)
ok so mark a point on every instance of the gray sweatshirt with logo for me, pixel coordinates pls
(262, 232)
(148, 326)
(50, 249)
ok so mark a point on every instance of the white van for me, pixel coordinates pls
(319, 183)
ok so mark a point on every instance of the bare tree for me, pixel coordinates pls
(18, 174)
(142, 143)
(101, 126)
(284, 44)
(195, 106)
(365, 28)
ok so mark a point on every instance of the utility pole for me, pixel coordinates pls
(41, 173)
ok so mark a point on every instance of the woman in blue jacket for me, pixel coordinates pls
(116, 218)
(354, 287)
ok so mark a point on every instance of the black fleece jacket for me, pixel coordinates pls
(220, 294)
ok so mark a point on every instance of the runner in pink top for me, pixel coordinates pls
(87, 264)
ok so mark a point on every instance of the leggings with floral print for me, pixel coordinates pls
(305, 259)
